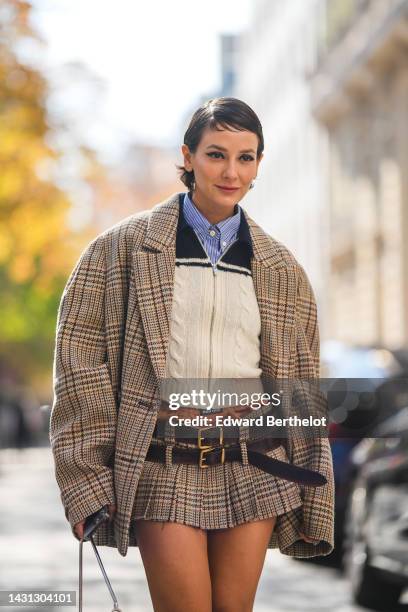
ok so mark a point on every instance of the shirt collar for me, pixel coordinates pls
(190, 216)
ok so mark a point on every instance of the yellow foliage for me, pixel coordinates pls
(5, 245)
(10, 184)
(21, 268)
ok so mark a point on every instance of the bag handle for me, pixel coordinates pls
(105, 576)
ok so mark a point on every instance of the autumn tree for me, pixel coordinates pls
(35, 255)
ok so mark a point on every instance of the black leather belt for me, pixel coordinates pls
(208, 454)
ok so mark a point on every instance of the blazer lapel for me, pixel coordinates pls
(153, 269)
(275, 285)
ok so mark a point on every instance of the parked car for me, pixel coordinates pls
(380, 377)
(376, 527)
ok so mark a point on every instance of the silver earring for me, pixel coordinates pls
(252, 185)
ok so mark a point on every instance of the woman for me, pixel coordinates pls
(192, 289)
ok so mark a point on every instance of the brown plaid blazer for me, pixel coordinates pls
(111, 345)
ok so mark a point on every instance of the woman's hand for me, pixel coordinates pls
(79, 527)
(309, 540)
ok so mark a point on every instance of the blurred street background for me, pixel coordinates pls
(95, 98)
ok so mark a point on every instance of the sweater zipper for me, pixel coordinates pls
(215, 270)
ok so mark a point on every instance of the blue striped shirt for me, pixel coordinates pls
(214, 238)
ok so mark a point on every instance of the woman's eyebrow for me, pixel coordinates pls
(224, 149)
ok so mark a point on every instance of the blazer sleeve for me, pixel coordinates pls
(312, 450)
(84, 413)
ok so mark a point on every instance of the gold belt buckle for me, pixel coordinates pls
(200, 437)
(206, 448)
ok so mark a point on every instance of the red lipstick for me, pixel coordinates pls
(227, 188)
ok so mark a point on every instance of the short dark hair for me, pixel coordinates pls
(219, 113)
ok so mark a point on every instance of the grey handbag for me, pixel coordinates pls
(91, 525)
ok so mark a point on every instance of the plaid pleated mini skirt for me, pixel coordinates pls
(217, 497)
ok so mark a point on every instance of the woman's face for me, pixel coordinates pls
(223, 158)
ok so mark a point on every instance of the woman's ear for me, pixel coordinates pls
(187, 157)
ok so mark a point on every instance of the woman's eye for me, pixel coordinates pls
(245, 157)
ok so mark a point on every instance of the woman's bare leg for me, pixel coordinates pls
(236, 557)
(176, 565)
